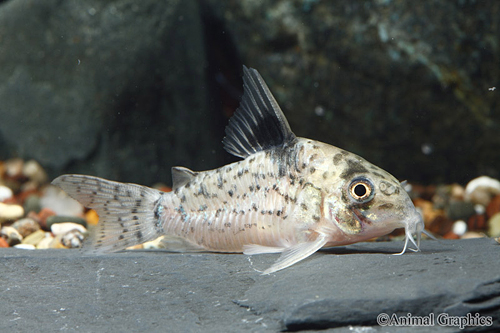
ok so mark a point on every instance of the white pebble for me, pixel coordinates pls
(5, 193)
(64, 228)
(480, 209)
(459, 227)
(10, 212)
(59, 202)
(45, 243)
(25, 246)
(34, 171)
(481, 189)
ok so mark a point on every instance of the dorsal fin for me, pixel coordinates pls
(181, 176)
(258, 123)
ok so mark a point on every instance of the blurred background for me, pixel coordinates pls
(127, 89)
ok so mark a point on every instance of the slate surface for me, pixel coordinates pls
(343, 289)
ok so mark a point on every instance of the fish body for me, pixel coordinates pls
(288, 195)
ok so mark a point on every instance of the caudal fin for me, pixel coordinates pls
(128, 213)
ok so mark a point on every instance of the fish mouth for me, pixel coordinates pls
(414, 227)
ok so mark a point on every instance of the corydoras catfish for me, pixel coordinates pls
(287, 195)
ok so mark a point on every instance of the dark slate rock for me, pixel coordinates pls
(110, 88)
(404, 84)
(343, 289)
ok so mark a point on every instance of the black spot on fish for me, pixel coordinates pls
(263, 212)
(125, 230)
(379, 175)
(312, 170)
(304, 165)
(337, 158)
(316, 218)
(278, 212)
(138, 203)
(258, 187)
(115, 197)
(325, 175)
(188, 184)
(303, 206)
(254, 207)
(121, 237)
(134, 211)
(230, 192)
(94, 192)
(240, 173)
(270, 212)
(386, 206)
(217, 213)
(251, 188)
(183, 198)
(138, 234)
(129, 193)
(353, 167)
(251, 160)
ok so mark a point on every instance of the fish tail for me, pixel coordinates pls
(129, 214)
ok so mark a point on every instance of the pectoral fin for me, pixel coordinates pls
(296, 253)
(251, 249)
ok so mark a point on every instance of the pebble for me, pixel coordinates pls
(64, 228)
(41, 217)
(460, 210)
(45, 243)
(72, 239)
(26, 226)
(11, 235)
(34, 172)
(25, 246)
(480, 190)
(154, 244)
(91, 217)
(10, 212)
(56, 243)
(3, 242)
(14, 167)
(63, 219)
(459, 227)
(472, 234)
(32, 204)
(34, 238)
(59, 202)
(493, 206)
(5, 193)
(476, 222)
(494, 226)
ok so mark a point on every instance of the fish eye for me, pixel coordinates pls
(361, 189)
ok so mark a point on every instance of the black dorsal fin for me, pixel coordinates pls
(258, 123)
(181, 176)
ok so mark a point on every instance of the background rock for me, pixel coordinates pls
(112, 88)
(343, 287)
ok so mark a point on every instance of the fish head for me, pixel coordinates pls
(369, 202)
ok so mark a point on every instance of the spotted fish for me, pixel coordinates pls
(287, 195)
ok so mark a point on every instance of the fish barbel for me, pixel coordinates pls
(288, 195)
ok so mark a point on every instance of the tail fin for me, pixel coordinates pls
(129, 214)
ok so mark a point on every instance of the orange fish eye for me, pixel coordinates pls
(361, 189)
